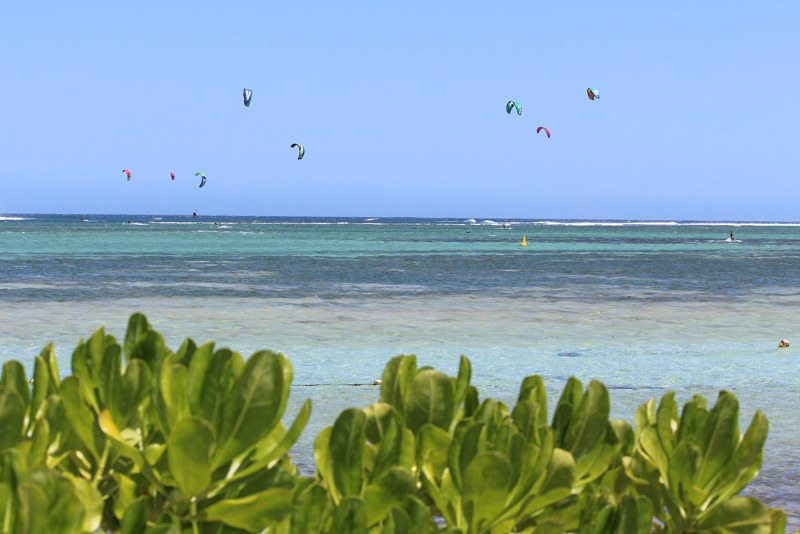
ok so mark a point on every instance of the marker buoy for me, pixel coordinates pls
(523, 244)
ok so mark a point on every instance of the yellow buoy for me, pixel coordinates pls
(523, 244)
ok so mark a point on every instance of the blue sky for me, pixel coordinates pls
(401, 108)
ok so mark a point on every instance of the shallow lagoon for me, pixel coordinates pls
(645, 308)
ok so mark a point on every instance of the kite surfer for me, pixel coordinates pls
(194, 215)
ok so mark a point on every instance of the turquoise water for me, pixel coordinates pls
(644, 307)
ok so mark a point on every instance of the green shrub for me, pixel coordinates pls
(142, 439)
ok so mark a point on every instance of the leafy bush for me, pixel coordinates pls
(193, 441)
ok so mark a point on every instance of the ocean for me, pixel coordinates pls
(644, 307)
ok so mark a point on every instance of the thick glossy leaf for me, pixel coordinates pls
(346, 452)
(312, 508)
(39, 443)
(719, 437)
(255, 405)
(134, 388)
(124, 449)
(396, 381)
(350, 517)
(487, 481)
(41, 388)
(462, 381)
(48, 354)
(134, 521)
(532, 389)
(433, 445)
(667, 423)
(693, 420)
(530, 464)
(746, 461)
(557, 483)
(138, 327)
(737, 515)
(379, 416)
(567, 404)
(390, 490)
(322, 459)
(189, 450)
(172, 400)
(79, 415)
(268, 454)
(471, 401)
(588, 423)
(252, 513)
(12, 415)
(419, 516)
(14, 378)
(598, 460)
(109, 372)
(91, 501)
(430, 400)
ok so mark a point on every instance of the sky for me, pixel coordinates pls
(401, 109)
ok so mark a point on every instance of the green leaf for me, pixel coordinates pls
(667, 423)
(737, 515)
(12, 415)
(79, 415)
(557, 483)
(109, 373)
(346, 452)
(430, 400)
(462, 381)
(171, 399)
(39, 443)
(532, 389)
(41, 388)
(567, 404)
(256, 404)
(134, 521)
(190, 447)
(396, 381)
(311, 509)
(350, 517)
(138, 328)
(433, 445)
(390, 490)
(588, 423)
(719, 437)
(14, 378)
(289, 437)
(746, 461)
(133, 391)
(48, 354)
(252, 513)
(487, 482)
(379, 416)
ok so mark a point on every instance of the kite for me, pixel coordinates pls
(202, 179)
(126, 171)
(172, 175)
(511, 105)
(302, 150)
(248, 95)
(540, 128)
(593, 93)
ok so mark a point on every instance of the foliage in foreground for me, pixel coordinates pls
(193, 441)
